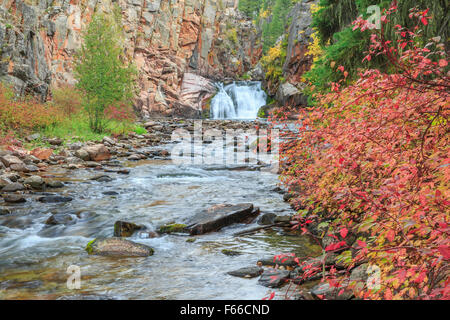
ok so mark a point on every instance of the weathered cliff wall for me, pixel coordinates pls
(177, 45)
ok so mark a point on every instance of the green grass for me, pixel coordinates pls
(78, 126)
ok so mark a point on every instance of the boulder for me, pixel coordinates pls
(4, 181)
(274, 278)
(54, 199)
(4, 211)
(61, 218)
(36, 182)
(42, 154)
(102, 178)
(279, 260)
(110, 193)
(125, 229)
(82, 154)
(14, 198)
(267, 218)
(13, 187)
(173, 227)
(118, 247)
(33, 137)
(108, 141)
(97, 152)
(324, 291)
(219, 216)
(9, 160)
(247, 272)
(54, 184)
(288, 94)
(55, 141)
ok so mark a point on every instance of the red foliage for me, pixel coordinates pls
(25, 114)
(373, 161)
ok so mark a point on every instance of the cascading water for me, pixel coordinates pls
(238, 100)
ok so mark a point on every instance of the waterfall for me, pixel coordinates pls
(238, 100)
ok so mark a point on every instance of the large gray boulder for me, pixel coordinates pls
(118, 247)
(290, 95)
(9, 160)
(36, 182)
(219, 216)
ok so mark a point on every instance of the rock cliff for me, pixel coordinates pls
(179, 47)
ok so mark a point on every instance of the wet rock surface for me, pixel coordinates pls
(125, 229)
(118, 247)
(247, 272)
(274, 278)
(219, 216)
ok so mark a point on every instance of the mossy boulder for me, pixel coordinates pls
(171, 228)
(265, 111)
(125, 229)
(118, 247)
(229, 252)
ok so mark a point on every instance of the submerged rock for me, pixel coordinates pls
(125, 229)
(118, 247)
(61, 218)
(110, 193)
(54, 184)
(274, 278)
(219, 216)
(54, 199)
(267, 218)
(229, 252)
(247, 272)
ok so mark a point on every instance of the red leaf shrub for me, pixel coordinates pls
(25, 114)
(373, 160)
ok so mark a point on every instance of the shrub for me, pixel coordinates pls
(103, 77)
(373, 161)
(25, 114)
(68, 99)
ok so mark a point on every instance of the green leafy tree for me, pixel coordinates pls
(344, 47)
(104, 77)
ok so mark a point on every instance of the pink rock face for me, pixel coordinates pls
(165, 40)
(98, 152)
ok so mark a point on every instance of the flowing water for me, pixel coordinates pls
(238, 100)
(34, 256)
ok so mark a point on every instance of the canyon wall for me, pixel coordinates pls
(179, 47)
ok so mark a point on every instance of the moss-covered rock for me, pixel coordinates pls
(229, 252)
(118, 247)
(174, 227)
(125, 229)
